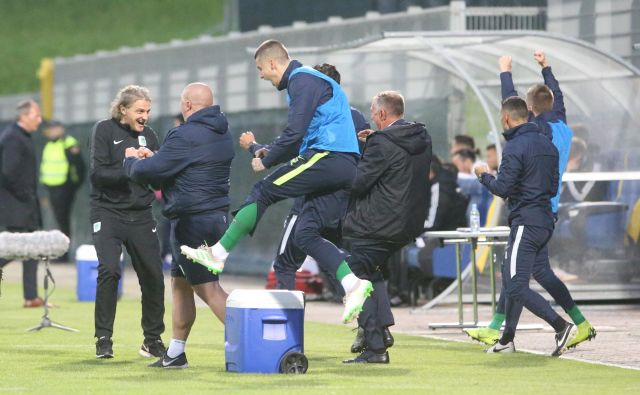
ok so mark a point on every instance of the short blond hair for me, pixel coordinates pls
(272, 49)
(126, 97)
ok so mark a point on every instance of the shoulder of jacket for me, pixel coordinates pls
(104, 125)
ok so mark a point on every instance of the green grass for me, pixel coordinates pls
(33, 29)
(63, 362)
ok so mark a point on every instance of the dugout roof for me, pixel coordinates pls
(601, 91)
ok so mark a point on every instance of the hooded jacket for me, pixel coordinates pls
(390, 195)
(528, 176)
(193, 165)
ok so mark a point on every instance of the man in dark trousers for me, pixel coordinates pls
(19, 206)
(62, 172)
(389, 204)
(528, 178)
(121, 215)
(546, 109)
(320, 132)
(193, 165)
(289, 257)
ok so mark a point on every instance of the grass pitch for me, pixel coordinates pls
(53, 361)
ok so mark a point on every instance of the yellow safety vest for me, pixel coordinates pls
(54, 168)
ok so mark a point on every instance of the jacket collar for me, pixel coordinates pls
(284, 81)
(527, 127)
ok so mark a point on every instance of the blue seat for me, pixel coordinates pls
(592, 225)
(444, 260)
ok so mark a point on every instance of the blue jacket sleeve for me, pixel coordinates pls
(171, 159)
(306, 92)
(506, 85)
(558, 98)
(255, 147)
(508, 175)
(508, 89)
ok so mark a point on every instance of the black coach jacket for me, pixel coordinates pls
(110, 187)
(390, 195)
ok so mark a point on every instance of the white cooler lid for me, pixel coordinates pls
(86, 252)
(266, 299)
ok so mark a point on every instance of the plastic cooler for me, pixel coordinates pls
(264, 332)
(87, 273)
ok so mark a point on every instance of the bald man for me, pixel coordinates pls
(193, 167)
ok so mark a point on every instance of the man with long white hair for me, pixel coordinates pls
(121, 215)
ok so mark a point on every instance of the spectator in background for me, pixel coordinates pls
(446, 212)
(61, 172)
(461, 142)
(465, 160)
(492, 159)
(582, 191)
(19, 206)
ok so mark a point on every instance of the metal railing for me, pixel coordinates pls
(505, 18)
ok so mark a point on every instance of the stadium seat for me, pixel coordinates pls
(444, 261)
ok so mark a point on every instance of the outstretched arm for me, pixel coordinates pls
(305, 93)
(506, 80)
(552, 83)
(171, 159)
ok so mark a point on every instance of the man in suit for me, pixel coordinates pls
(19, 206)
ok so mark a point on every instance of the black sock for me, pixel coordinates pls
(559, 324)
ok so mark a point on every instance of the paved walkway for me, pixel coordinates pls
(618, 326)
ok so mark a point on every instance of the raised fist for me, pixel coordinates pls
(538, 55)
(505, 63)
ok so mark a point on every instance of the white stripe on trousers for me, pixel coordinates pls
(287, 233)
(514, 250)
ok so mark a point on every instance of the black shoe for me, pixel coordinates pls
(563, 337)
(104, 348)
(359, 344)
(179, 362)
(369, 357)
(152, 348)
(387, 337)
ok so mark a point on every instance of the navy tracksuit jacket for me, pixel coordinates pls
(528, 178)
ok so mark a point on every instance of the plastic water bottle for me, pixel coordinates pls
(474, 219)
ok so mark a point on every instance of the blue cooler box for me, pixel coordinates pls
(87, 273)
(264, 332)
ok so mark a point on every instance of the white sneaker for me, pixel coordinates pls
(354, 300)
(204, 256)
(509, 347)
